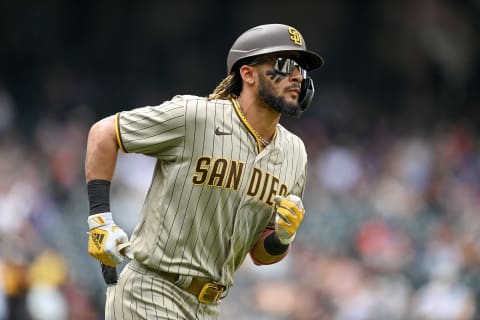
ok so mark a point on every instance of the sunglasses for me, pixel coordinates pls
(287, 66)
(283, 65)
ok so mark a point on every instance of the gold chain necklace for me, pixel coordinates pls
(263, 141)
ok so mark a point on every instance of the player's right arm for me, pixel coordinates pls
(100, 161)
(102, 150)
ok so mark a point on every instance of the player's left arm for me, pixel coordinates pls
(268, 250)
(274, 242)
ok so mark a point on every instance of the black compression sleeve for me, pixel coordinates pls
(98, 196)
(273, 246)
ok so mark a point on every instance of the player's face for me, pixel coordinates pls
(279, 85)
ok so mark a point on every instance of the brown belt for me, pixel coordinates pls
(206, 291)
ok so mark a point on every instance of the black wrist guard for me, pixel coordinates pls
(98, 196)
(273, 246)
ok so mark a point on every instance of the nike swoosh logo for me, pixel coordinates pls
(218, 132)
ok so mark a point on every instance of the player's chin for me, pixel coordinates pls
(291, 108)
(284, 104)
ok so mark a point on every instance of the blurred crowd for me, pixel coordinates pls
(392, 225)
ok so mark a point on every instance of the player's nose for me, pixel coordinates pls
(296, 76)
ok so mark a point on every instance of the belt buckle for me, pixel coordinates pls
(210, 293)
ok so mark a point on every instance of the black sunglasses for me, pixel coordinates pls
(283, 65)
(287, 66)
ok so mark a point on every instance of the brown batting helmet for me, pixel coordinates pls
(270, 38)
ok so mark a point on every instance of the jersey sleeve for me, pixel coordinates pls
(153, 130)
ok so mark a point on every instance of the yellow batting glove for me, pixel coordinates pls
(104, 237)
(288, 217)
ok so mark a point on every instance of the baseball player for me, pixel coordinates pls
(227, 183)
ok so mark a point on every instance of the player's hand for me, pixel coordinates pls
(288, 217)
(107, 242)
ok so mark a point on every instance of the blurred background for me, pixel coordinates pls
(392, 229)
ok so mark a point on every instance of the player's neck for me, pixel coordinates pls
(262, 118)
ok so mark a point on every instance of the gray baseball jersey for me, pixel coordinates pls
(213, 184)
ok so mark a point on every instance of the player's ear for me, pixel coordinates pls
(247, 74)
